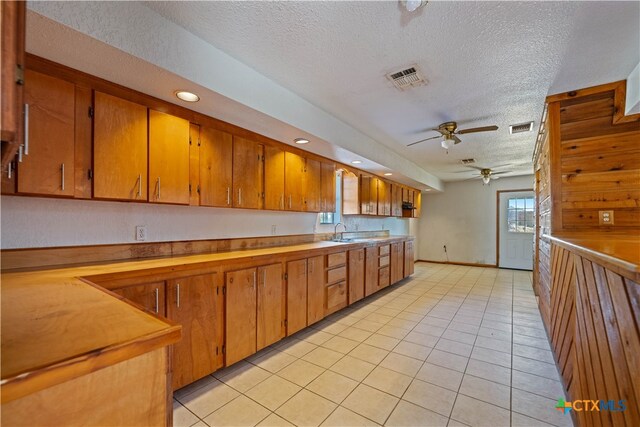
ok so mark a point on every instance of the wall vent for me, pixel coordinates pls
(467, 161)
(522, 127)
(406, 78)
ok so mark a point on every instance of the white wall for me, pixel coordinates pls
(29, 222)
(463, 217)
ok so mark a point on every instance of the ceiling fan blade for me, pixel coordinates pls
(423, 140)
(456, 139)
(474, 177)
(480, 129)
(499, 173)
(475, 167)
(493, 178)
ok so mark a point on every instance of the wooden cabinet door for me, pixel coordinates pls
(48, 169)
(315, 289)
(296, 295)
(241, 325)
(149, 296)
(273, 178)
(248, 174)
(365, 194)
(216, 167)
(197, 304)
(293, 182)
(194, 164)
(384, 198)
(371, 270)
(417, 204)
(408, 258)
(311, 185)
(119, 149)
(168, 158)
(271, 303)
(328, 187)
(373, 195)
(356, 275)
(397, 262)
(350, 193)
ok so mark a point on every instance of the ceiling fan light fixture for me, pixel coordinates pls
(447, 143)
(486, 179)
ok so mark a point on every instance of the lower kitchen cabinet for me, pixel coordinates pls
(196, 303)
(397, 262)
(356, 275)
(150, 296)
(296, 295)
(255, 302)
(371, 270)
(271, 304)
(336, 289)
(315, 289)
(408, 258)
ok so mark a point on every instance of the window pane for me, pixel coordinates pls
(529, 202)
(511, 215)
(520, 203)
(512, 226)
(512, 203)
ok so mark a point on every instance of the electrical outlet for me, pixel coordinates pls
(605, 217)
(141, 232)
(273, 230)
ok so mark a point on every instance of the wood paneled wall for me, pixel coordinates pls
(543, 226)
(562, 310)
(598, 159)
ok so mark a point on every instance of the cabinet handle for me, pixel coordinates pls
(26, 129)
(139, 184)
(177, 294)
(156, 292)
(254, 280)
(9, 170)
(158, 188)
(62, 176)
(282, 201)
(228, 196)
(20, 153)
(239, 196)
(264, 278)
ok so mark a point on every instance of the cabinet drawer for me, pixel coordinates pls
(336, 297)
(336, 274)
(383, 277)
(336, 259)
(384, 261)
(384, 250)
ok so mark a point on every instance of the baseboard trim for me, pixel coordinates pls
(468, 264)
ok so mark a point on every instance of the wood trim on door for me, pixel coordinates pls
(498, 192)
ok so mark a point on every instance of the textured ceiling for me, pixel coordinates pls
(486, 63)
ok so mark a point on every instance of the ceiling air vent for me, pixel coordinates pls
(406, 78)
(522, 127)
(467, 161)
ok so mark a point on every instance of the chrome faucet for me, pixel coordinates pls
(335, 231)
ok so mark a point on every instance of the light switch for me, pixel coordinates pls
(605, 217)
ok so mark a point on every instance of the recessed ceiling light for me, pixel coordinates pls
(356, 162)
(187, 96)
(388, 174)
(301, 141)
(427, 189)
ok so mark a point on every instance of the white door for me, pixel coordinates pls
(517, 224)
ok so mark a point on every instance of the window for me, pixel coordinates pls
(326, 218)
(521, 215)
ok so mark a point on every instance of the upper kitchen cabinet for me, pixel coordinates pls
(274, 178)
(384, 198)
(368, 195)
(47, 166)
(248, 174)
(13, 14)
(328, 187)
(396, 200)
(311, 185)
(168, 159)
(119, 149)
(417, 204)
(350, 193)
(293, 185)
(216, 167)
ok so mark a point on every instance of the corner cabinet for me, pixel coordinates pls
(119, 149)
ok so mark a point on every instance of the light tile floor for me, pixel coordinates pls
(452, 345)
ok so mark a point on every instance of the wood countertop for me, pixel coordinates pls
(616, 251)
(57, 325)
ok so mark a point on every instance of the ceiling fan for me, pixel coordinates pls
(449, 134)
(487, 174)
